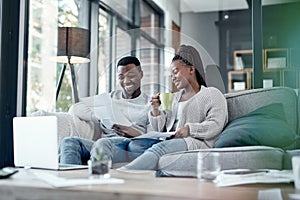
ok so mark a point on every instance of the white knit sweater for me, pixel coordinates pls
(205, 114)
(132, 111)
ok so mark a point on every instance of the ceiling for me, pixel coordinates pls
(221, 5)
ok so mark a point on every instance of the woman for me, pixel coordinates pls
(198, 114)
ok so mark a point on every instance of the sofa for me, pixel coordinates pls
(246, 156)
(253, 156)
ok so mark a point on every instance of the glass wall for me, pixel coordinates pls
(236, 48)
(219, 31)
(281, 39)
(280, 46)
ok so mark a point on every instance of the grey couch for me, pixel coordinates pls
(239, 104)
(250, 157)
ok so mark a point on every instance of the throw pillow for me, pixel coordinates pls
(265, 126)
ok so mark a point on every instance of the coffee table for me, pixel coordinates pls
(138, 185)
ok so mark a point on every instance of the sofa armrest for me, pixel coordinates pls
(71, 125)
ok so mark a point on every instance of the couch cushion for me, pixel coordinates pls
(251, 157)
(265, 126)
(244, 102)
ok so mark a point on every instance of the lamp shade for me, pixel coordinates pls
(73, 43)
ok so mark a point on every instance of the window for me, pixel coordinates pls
(103, 56)
(124, 28)
(43, 70)
(123, 8)
(150, 63)
(115, 40)
(138, 35)
(150, 18)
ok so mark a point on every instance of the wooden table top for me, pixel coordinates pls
(138, 185)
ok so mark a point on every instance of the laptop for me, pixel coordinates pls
(36, 143)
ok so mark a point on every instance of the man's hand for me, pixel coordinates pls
(125, 131)
(182, 132)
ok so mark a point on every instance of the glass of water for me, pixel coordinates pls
(208, 165)
(99, 168)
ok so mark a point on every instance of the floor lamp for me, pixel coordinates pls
(73, 47)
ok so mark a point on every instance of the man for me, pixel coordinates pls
(131, 105)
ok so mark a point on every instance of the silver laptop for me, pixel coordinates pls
(36, 143)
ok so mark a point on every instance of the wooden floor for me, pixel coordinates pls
(138, 185)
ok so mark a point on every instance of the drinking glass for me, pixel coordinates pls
(99, 168)
(296, 171)
(208, 165)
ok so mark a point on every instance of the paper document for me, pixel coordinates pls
(156, 135)
(270, 194)
(294, 196)
(102, 106)
(229, 178)
(63, 182)
(108, 111)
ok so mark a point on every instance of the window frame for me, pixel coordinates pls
(118, 21)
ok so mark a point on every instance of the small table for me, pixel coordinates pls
(138, 185)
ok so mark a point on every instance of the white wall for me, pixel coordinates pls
(197, 29)
(201, 28)
(171, 10)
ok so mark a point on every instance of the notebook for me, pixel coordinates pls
(36, 143)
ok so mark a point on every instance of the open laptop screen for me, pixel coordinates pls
(36, 142)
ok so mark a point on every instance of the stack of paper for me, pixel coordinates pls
(270, 194)
(62, 182)
(156, 135)
(242, 176)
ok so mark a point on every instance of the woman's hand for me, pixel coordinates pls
(155, 103)
(125, 131)
(182, 132)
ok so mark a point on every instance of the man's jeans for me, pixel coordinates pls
(121, 149)
(75, 150)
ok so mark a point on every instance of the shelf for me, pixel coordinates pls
(281, 67)
(275, 59)
(242, 59)
(239, 80)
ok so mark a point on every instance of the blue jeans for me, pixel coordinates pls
(121, 149)
(75, 150)
(149, 159)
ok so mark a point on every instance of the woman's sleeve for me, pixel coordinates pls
(215, 120)
(158, 123)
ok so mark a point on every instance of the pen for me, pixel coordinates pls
(241, 172)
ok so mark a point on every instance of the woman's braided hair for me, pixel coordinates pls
(199, 78)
